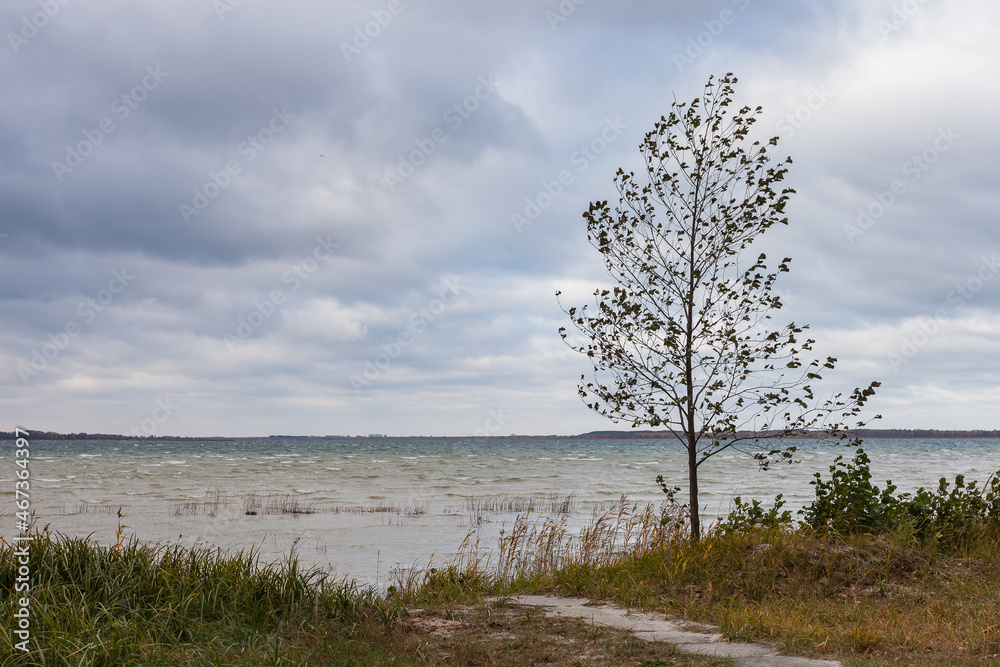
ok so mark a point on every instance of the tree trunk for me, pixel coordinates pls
(693, 487)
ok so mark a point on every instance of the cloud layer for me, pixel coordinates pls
(344, 217)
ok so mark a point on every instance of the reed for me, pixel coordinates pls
(480, 508)
(414, 509)
(254, 504)
(91, 508)
(287, 504)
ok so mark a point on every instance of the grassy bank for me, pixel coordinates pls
(867, 577)
(144, 605)
(863, 599)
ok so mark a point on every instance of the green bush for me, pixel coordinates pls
(952, 517)
(747, 515)
(848, 503)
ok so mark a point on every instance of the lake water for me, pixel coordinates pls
(380, 504)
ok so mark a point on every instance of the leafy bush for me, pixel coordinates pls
(951, 517)
(848, 503)
(747, 515)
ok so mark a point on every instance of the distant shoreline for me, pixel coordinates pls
(896, 434)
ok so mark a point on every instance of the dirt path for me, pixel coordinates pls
(657, 628)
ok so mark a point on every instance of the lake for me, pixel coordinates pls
(362, 507)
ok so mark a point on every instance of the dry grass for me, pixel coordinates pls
(862, 599)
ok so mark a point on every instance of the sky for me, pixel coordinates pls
(240, 217)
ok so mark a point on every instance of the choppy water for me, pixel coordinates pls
(200, 492)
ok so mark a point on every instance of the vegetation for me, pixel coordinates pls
(683, 340)
(848, 503)
(919, 588)
(866, 576)
(144, 605)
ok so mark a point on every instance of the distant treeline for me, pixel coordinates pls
(900, 433)
(50, 435)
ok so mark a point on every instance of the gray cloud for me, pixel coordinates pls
(405, 147)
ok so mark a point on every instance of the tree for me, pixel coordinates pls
(683, 339)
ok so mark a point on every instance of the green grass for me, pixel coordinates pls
(144, 605)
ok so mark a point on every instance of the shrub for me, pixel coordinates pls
(848, 503)
(747, 515)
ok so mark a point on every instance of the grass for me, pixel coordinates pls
(857, 598)
(864, 599)
(148, 605)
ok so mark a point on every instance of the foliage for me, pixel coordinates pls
(849, 504)
(752, 514)
(952, 517)
(683, 338)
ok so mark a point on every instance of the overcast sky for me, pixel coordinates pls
(344, 217)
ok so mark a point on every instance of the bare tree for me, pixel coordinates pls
(683, 339)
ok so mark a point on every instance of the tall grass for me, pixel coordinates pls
(539, 546)
(147, 605)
